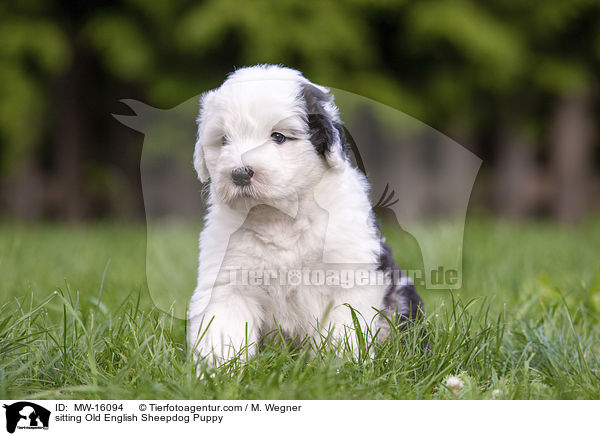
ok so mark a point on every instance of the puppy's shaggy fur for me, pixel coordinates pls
(286, 209)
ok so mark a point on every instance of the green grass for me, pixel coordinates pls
(76, 321)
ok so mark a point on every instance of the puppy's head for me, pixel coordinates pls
(265, 135)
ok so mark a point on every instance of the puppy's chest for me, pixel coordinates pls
(283, 243)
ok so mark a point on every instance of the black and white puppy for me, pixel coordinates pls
(290, 242)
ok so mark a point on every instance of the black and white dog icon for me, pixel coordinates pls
(28, 415)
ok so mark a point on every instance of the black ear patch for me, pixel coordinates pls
(315, 99)
(323, 130)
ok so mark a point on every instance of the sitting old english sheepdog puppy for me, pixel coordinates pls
(290, 242)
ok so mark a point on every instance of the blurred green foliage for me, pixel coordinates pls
(446, 62)
(33, 48)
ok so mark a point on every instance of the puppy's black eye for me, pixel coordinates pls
(224, 140)
(278, 138)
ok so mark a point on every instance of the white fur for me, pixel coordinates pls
(302, 211)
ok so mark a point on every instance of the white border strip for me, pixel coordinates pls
(88, 418)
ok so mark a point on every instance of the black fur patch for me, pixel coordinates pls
(323, 130)
(401, 300)
(315, 99)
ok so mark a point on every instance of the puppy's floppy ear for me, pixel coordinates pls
(324, 126)
(199, 162)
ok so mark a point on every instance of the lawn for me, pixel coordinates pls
(77, 321)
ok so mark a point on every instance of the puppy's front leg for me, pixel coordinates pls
(229, 324)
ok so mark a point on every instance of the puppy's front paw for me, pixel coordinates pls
(218, 344)
(227, 329)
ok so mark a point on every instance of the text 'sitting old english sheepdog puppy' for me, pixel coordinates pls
(287, 209)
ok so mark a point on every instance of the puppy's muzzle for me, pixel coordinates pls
(241, 176)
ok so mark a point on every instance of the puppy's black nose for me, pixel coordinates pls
(241, 176)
